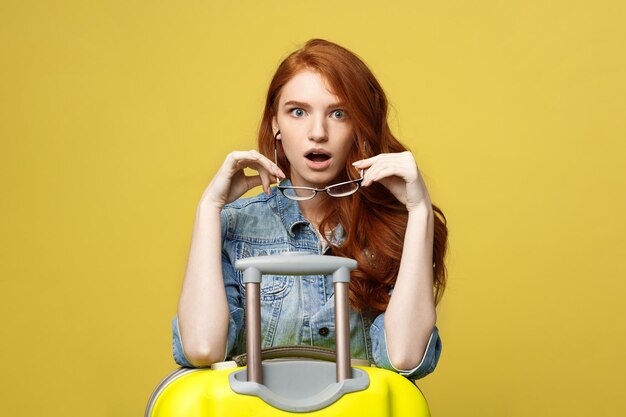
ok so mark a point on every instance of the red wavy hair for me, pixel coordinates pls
(374, 221)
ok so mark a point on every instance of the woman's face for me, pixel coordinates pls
(315, 130)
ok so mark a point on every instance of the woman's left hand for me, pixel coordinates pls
(398, 172)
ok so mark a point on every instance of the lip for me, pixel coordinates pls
(318, 165)
(317, 150)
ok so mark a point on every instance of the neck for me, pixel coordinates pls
(313, 209)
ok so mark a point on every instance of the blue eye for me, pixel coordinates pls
(297, 112)
(338, 114)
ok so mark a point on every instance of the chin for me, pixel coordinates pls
(318, 179)
(321, 180)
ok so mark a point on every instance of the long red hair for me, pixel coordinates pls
(374, 221)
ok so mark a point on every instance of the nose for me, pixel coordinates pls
(317, 130)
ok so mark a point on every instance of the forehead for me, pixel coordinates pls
(309, 87)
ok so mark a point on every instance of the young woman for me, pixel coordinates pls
(346, 187)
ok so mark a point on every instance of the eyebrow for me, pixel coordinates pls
(306, 105)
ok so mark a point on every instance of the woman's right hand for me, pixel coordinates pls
(231, 182)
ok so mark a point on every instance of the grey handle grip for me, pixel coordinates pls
(296, 263)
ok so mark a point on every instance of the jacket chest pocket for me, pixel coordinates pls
(273, 287)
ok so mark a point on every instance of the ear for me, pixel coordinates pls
(275, 127)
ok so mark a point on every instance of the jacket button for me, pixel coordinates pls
(323, 331)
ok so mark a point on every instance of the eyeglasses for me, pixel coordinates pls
(342, 189)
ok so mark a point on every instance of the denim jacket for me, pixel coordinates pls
(294, 310)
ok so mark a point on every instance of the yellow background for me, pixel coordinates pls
(114, 116)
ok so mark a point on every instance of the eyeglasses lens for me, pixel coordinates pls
(342, 190)
(298, 194)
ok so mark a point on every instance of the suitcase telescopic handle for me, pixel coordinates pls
(296, 263)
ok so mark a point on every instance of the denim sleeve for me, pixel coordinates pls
(235, 308)
(381, 355)
(235, 304)
(177, 345)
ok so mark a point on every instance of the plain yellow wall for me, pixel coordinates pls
(114, 115)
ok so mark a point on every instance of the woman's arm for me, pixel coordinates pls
(202, 306)
(410, 317)
(203, 313)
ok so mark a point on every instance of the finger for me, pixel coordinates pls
(267, 170)
(236, 161)
(255, 160)
(271, 167)
(366, 163)
(266, 180)
(401, 157)
(237, 156)
(252, 181)
(379, 172)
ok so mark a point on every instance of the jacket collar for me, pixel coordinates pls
(289, 211)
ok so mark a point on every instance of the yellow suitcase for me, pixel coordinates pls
(289, 380)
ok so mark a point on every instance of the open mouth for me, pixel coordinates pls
(317, 156)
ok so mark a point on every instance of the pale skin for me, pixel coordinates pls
(310, 116)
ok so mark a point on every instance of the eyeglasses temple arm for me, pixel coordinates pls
(276, 155)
